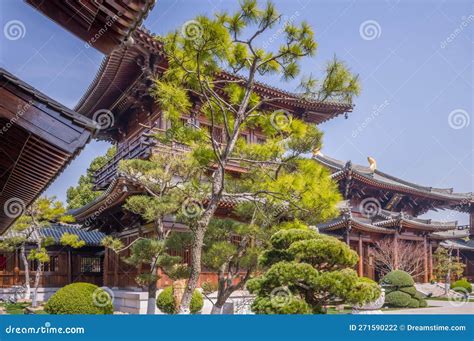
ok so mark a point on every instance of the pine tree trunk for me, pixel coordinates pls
(38, 273)
(195, 271)
(217, 189)
(222, 297)
(150, 310)
(27, 272)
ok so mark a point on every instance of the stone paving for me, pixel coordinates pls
(437, 307)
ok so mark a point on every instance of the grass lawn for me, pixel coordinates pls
(17, 308)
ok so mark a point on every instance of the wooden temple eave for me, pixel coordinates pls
(353, 225)
(111, 200)
(104, 24)
(38, 138)
(394, 193)
(128, 68)
(427, 226)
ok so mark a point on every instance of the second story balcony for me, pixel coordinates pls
(142, 146)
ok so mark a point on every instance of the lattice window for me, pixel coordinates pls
(91, 264)
(3, 262)
(51, 266)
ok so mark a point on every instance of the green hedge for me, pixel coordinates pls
(414, 303)
(165, 302)
(423, 303)
(80, 298)
(397, 279)
(397, 299)
(462, 286)
(409, 290)
(401, 292)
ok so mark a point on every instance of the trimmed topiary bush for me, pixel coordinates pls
(423, 303)
(462, 286)
(397, 299)
(397, 279)
(400, 291)
(165, 302)
(414, 303)
(306, 271)
(409, 290)
(80, 298)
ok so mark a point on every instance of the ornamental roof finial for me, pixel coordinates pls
(372, 163)
(317, 152)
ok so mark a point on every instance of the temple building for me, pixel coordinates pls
(383, 206)
(121, 87)
(118, 108)
(66, 265)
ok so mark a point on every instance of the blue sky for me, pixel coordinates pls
(414, 58)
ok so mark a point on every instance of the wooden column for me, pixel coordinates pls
(430, 261)
(361, 257)
(69, 266)
(395, 250)
(105, 269)
(16, 268)
(116, 270)
(425, 259)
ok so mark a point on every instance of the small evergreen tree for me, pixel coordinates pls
(193, 85)
(84, 193)
(446, 267)
(306, 272)
(27, 230)
(152, 253)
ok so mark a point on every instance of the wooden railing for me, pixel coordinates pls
(140, 147)
(137, 148)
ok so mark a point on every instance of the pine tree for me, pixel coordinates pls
(276, 171)
(84, 193)
(307, 271)
(27, 230)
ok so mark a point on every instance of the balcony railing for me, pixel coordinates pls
(137, 148)
(142, 147)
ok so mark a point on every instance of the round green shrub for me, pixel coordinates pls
(462, 285)
(80, 298)
(423, 303)
(165, 302)
(397, 299)
(414, 303)
(409, 290)
(398, 279)
(271, 306)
